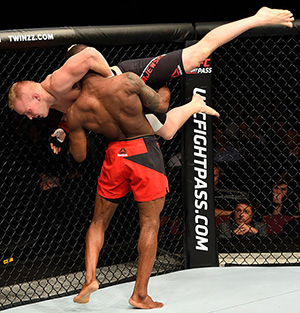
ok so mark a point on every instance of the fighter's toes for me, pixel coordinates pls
(201, 107)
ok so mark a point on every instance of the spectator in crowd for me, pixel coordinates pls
(282, 200)
(279, 205)
(48, 182)
(242, 223)
(279, 191)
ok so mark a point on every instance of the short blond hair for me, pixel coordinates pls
(16, 91)
(12, 96)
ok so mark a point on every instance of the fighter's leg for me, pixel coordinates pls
(103, 213)
(149, 213)
(192, 56)
(178, 116)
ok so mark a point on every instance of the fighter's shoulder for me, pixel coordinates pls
(132, 80)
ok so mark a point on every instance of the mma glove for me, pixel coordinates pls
(58, 137)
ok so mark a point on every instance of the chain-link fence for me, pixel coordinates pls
(47, 200)
(256, 89)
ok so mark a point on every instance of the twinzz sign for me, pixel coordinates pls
(197, 158)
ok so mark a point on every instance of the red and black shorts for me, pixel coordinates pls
(157, 71)
(133, 165)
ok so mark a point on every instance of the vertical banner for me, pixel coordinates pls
(198, 181)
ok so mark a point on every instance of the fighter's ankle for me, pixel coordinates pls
(140, 296)
(89, 281)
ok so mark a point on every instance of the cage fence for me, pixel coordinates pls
(256, 153)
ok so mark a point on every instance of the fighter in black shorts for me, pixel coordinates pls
(157, 71)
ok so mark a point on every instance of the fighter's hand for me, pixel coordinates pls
(57, 139)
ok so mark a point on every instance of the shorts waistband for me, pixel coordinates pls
(147, 137)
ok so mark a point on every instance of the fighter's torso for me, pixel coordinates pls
(108, 106)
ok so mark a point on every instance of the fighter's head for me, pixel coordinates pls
(26, 98)
(74, 49)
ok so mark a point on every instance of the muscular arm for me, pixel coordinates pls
(78, 141)
(77, 66)
(149, 98)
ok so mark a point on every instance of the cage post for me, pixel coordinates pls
(198, 181)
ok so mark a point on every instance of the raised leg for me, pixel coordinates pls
(192, 56)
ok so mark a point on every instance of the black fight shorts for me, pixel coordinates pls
(155, 72)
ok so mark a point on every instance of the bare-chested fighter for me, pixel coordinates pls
(57, 89)
(133, 162)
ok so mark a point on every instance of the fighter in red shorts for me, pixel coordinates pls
(111, 106)
(133, 162)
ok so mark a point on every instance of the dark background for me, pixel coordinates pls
(85, 13)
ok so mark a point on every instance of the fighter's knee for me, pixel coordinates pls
(151, 227)
(165, 133)
(194, 55)
(100, 222)
(168, 136)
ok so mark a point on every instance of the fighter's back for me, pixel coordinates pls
(110, 106)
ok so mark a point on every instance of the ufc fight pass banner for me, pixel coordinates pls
(198, 180)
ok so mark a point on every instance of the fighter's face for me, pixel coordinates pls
(32, 109)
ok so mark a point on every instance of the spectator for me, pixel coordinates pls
(48, 182)
(280, 207)
(242, 224)
(282, 201)
(279, 191)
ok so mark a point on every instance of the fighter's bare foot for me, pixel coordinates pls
(201, 107)
(144, 303)
(274, 16)
(85, 293)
